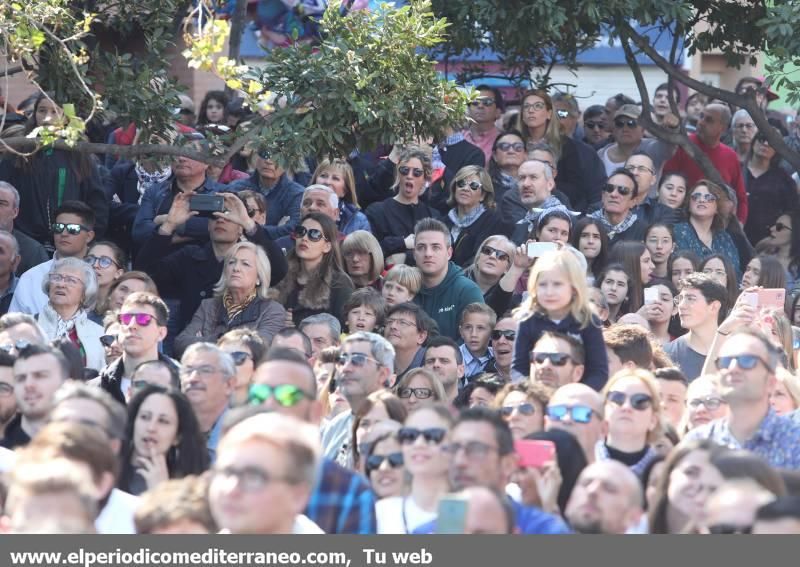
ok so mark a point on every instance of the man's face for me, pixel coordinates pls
(476, 330)
(693, 308)
(673, 399)
(442, 361)
(69, 245)
(432, 252)
(710, 126)
(320, 335)
(223, 231)
(661, 103)
(503, 343)
(278, 372)
(203, 382)
(85, 411)
(36, 380)
(485, 515)
(583, 398)
(569, 122)
(484, 109)
(8, 402)
(318, 202)
(185, 168)
(402, 332)
(741, 386)
(642, 169)
(8, 212)
(360, 381)
(140, 340)
(627, 130)
(601, 502)
(596, 129)
(551, 373)
(534, 186)
(249, 493)
(268, 170)
(294, 342)
(615, 202)
(9, 260)
(478, 462)
(22, 332)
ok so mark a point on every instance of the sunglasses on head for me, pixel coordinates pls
(622, 122)
(419, 393)
(374, 462)
(108, 340)
(508, 335)
(474, 185)
(525, 408)
(71, 228)
(703, 197)
(562, 113)
(485, 102)
(286, 395)
(240, 357)
(142, 319)
(779, 227)
(639, 402)
(102, 261)
(314, 234)
(417, 172)
(555, 358)
(621, 189)
(407, 435)
(578, 414)
(589, 125)
(499, 254)
(506, 146)
(743, 361)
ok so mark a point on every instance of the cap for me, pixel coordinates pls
(629, 110)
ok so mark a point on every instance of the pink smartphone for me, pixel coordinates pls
(771, 298)
(534, 453)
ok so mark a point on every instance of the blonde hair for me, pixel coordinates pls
(263, 269)
(565, 262)
(346, 170)
(649, 382)
(439, 394)
(363, 241)
(792, 383)
(407, 276)
(485, 180)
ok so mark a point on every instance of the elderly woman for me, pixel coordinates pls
(240, 300)
(497, 267)
(338, 175)
(473, 216)
(71, 289)
(363, 259)
(705, 233)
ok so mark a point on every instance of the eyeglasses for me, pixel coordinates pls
(474, 185)
(102, 261)
(589, 125)
(743, 361)
(555, 358)
(508, 335)
(416, 171)
(472, 449)
(205, 370)
(249, 479)
(287, 395)
(142, 319)
(507, 146)
(108, 340)
(761, 140)
(621, 123)
(703, 197)
(709, 402)
(621, 189)
(562, 114)
(499, 254)
(240, 357)
(71, 228)
(639, 402)
(356, 359)
(402, 322)
(6, 390)
(535, 106)
(687, 298)
(63, 278)
(578, 414)
(639, 169)
(527, 409)
(729, 529)
(407, 435)
(419, 393)
(251, 212)
(779, 227)
(314, 234)
(745, 127)
(485, 102)
(374, 462)
(18, 345)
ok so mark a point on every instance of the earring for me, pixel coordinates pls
(258, 283)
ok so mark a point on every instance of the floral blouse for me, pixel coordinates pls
(721, 243)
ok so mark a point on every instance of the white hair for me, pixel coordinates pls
(88, 277)
(332, 196)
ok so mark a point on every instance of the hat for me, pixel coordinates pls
(629, 110)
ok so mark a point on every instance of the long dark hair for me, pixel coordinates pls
(189, 456)
(218, 96)
(629, 254)
(624, 307)
(731, 281)
(772, 274)
(596, 265)
(570, 457)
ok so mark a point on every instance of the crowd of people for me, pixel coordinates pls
(544, 321)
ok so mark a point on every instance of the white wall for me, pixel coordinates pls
(595, 85)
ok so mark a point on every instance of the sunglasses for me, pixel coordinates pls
(407, 435)
(578, 414)
(703, 197)
(357, 359)
(240, 357)
(743, 361)
(639, 402)
(102, 261)
(710, 403)
(70, 227)
(485, 102)
(593, 125)
(621, 189)
(499, 254)
(779, 227)
(287, 395)
(19, 345)
(265, 154)
(142, 319)
(108, 340)
(374, 462)
(729, 529)
(525, 408)
(474, 185)
(555, 358)
(508, 335)
(761, 140)
(506, 146)
(416, 171)
(419, 393)
(621, 123)
(562, 113)
(314, 234)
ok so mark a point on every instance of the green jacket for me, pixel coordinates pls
(445, 302)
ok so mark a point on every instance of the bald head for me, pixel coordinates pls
(487, 512)
(607, 499)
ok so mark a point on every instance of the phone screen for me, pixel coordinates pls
(452, 515)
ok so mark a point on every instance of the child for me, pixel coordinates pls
(476, 326)
(558, 301)
(364, 310)
(401, 284)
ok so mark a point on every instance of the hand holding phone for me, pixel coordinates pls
(534, 453)
(452, 515)
(536, 249)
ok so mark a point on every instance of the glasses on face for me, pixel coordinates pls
(533, 106)
(142, 319)
(404, 169)
(507, 335)
(374, 462)
(622, 123)
(709, 402)
(472, 449)
(240, 357)
(314, 234)
(71, 228)
(729, 529)
(590, 125)
(402, 322)
(102, 261)
(639, 402)
(640, 169)
(287, 395)
(419, 393)
(18, 345)
(621, 189)
(780, 227)
(686, 298)
(57, 278)
(108, 340)
(527, 409)
(578, 414)
(485, 102)
(508, 146)
(204, 370)
(741, 126)
(6, 390)
(555, 358)
(710, 272)
(356, 359)
(703, 197)
(499, 254)
(474, 185)
(249, 479)
(743, 361)
(408, 435)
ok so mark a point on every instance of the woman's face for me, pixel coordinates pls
(672, 192)
(466, 197)
(412, 179)
(703, 203)
(422, 456)
(589, 243)
(386, 480)
(716, 269)
(418, 382)
(660, 244)
(114, 351)
(555, 230)
(681, 268)
(615, 287)
(361, 318)
(780, 233)
(309, 250)
(47, 113)
(375, 415)
(480, 397)
(523, 415)
(66, 288)
(762, 149)
(488, 262)
(123, 290)
(334, 179)
(245, 370)
(691, 482)
(358, 263)
(534, 112)
(215, 112)
(647, 266)
(625, 419)
(510, 151)
(241, 271)
(780, 399)
(752, 273)
(156, 427)
(102, 254)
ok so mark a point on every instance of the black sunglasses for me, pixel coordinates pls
(474, 185)
(639, 402)
(621, 122)
(374, 462)
(508, 335)
(621, 189)
(240, 357)
(499, 254)
(419, 393)
(71, 228)
(314, 234)
(416, 171)
(407, 435)
(779, 226)
(525, 408)
(555, 358)
(593, 125)
(486, 102)
(108, 340)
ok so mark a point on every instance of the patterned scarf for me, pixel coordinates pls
(460, 223)
(614, 230)
(146, 179)
(63, 328)
(232, 308)
(532, 215)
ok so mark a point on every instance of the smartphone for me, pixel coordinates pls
(750, 298)
(452, 515)
(771, 298)
(534, 453)
(650, 295)
(206, 205)
(536, 249)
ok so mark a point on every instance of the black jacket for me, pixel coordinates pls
(466, 245)
(15, 436)
(392, 222)
(454, 157)
(110, 378)
(122, 183)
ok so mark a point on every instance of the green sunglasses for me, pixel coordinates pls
(287, 395)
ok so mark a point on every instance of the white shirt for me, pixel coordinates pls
(305, 525)
(29, 297)
(117, 516)
(400, 515)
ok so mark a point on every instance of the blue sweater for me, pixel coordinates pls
(283, 200)
(529, 521)
(530, 330)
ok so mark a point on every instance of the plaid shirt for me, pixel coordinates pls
(342, 502)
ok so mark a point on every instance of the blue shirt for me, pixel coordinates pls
(721, 243)
(472, 364)
(214, 436)
(777, 439)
